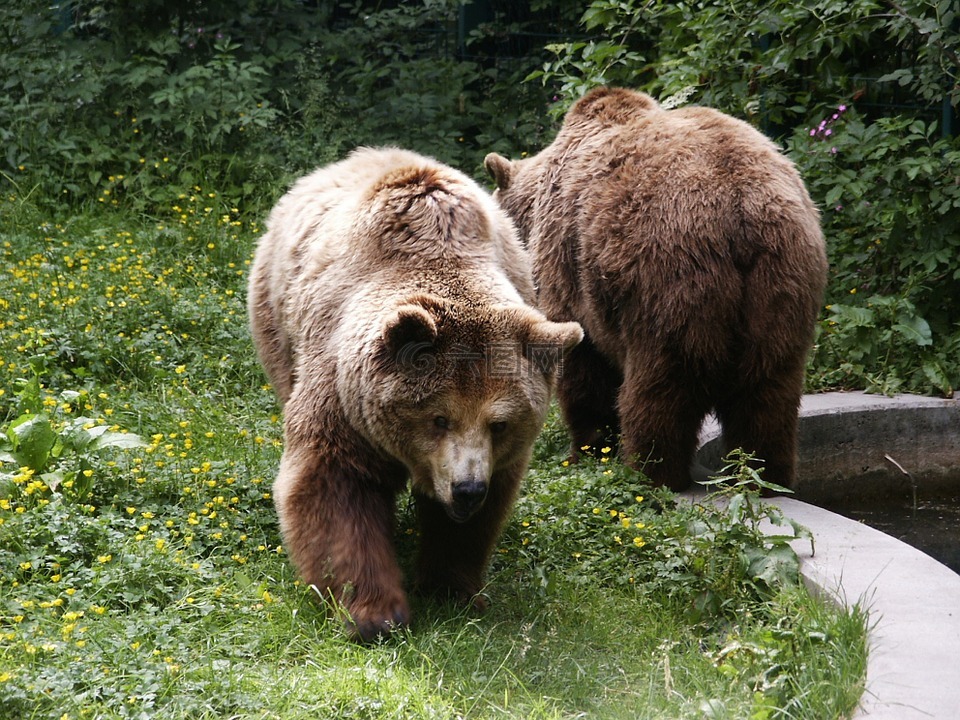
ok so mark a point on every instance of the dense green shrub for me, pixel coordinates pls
(122, 103)
(106, 104)
(774, 61)
(891, 211)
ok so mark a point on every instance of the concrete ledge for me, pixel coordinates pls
(845, 438)
(913, 667)
(913, 663)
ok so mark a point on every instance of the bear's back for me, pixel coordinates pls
(383, 208)
(674, 189)
(690, 175)
(360, 236)
(665, 215)
(314, 222)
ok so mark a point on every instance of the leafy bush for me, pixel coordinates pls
(772, 62)
(890, 193)
(55, 452)
(98, 102)
(127, 104)
(711, 557)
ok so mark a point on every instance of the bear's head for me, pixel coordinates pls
(457, 392)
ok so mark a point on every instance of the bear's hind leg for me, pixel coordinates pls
(660, 420)
(587, 388)
(762, 419)
(338, 530)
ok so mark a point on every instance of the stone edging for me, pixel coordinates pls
(913, 666)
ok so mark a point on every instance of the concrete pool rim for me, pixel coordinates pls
(913, 664)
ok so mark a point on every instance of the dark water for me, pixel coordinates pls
(932, 527)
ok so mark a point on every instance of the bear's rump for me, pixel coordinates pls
(692, 311)
(701, 295)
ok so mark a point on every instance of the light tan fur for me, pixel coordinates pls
(687, 246)
(389, 303)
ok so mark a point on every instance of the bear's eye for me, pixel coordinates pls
(441, 423)
(499, 427)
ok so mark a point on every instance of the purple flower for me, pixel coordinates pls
(842, 108)
(828, 131)
(833, 151)
(812, 133)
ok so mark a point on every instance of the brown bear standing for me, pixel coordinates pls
(390, 305)
(689, 250)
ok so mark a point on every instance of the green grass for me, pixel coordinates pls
(149, 581)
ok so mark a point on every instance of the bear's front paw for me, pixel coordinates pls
(465, 594)
(478, 603)
(368, 623)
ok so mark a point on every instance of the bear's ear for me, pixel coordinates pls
(500, 169)
(548, 343)
(409, 328)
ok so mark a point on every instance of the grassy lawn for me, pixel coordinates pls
(141, 571)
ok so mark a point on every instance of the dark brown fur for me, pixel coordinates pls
(688, 248)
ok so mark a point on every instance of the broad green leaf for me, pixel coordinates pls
(833, 195)
(775, 566)
(938, 378)
(53, 480)
(33, 439)
(915, 329)
(852, 315)
(118, 440)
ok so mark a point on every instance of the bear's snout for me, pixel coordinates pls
(468, 495)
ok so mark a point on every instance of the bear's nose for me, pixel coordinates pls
(468, 495)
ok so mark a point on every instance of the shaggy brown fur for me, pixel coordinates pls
(688, 248)
(389, 303)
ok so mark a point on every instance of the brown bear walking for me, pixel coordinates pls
(688, 248)
(390, 305)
